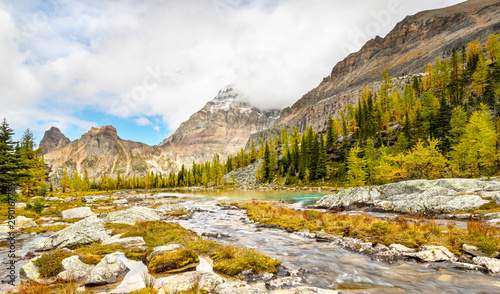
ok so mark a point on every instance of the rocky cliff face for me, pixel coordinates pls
(407, 49)
(101, 151)
(52, 139)
(222, 127)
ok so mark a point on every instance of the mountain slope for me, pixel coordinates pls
(101, 151)
(407, 49)
(222, 127)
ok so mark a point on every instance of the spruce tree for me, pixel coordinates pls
(9, 164)
(321, 162)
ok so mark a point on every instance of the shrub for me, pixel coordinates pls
(49, 264)
(38, 206)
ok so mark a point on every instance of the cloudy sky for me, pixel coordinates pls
(145, 66)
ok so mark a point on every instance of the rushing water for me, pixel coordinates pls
(330, 266)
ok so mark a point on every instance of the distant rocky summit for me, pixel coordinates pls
(418, 196)
(101, 151)
(52, 139)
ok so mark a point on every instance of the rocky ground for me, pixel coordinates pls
(88, 224)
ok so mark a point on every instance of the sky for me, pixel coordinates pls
(145, 66)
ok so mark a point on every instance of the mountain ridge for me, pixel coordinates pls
(408, 48)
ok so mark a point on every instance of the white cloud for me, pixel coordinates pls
(142, 121)
(100, 54)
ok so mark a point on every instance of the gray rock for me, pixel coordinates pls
(120, 201)
(401, 248)
(109, 270)
(206, 280)
(77, 213)
(417, 196)
(74, 269)
(86, 231)
(244, 175)
(491, 264)
(129, 242)
(30, 271)
(166, 208)
(312, 290)
(474, 250)
(430, 253)
(160, 250)
(20, 205)
(322, 236)
(132, 215)
(238, 289)
(22, 222)
(284, 283)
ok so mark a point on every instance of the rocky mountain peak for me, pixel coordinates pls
(221, 127)
(228, 99)
(109, 130)
(52, 139)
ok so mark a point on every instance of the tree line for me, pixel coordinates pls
(21, 164)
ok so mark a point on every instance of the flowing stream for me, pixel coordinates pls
(328, 266)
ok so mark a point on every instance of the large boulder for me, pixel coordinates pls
(74, 269)
(491, 264)
(431, 253)
(108, 271)
(86, 231)
(30, 271)
(207, 281)
(77, 213)
(132, 215)
(129, 242)
(160, 250)
(417, 196)
(22, 222)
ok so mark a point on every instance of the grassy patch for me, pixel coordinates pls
(158, 233)
(409, 232)
(94, 252)
(489, 206)
(178, 213)
(50, 264)
(172, 260)
(39, 230)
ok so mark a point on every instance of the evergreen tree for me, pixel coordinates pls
(266, 164)
(441, 124)
(9, 164)
(330, 133)
(32, 165)
(321, 162)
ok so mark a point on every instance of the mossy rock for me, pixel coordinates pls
(172, 260)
